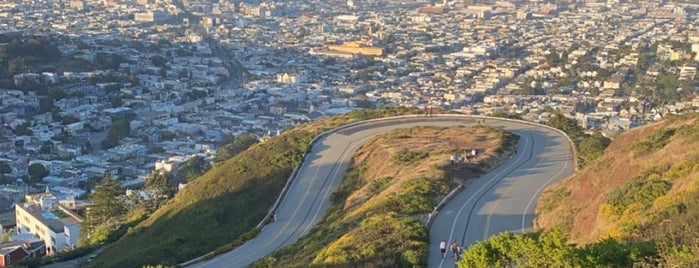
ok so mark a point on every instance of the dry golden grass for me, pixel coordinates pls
(620, 164)
(439, 143)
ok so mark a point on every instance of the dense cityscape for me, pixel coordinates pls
(137, 88)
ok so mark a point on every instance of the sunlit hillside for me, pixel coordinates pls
(644, 188)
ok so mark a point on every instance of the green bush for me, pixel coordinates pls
(407, 157)
(655, 141)
(639, 191)
(552, 249)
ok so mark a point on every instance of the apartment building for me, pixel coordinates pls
(45, 217)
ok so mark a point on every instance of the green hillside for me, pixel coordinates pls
(220, 209)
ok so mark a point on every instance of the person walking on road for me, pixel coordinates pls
(455, 250)
(443, 248)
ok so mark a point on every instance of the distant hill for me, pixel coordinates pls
(645, 188)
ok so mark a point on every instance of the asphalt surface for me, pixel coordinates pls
(503, 199)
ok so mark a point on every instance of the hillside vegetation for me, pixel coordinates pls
(220, 209)
(376, 215)
(644, 189)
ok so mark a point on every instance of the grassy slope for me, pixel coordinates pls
(376, 216)
(222, 207)
(644, 187)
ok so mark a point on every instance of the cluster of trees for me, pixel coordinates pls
(119, 129)
(237, 145)
(112, 212)
(589, 147)
(191, 169)
(21, 53)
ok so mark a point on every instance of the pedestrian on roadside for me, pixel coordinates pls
(443, 248)
(454, 249)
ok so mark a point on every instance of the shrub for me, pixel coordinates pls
(407, 157)
(639, 191)
(655, 141)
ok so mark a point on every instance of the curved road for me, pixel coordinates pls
(503, 199)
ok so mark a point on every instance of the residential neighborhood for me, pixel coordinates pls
(145, 85)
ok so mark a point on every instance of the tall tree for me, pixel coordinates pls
(4, 169)
(107, 201)
(36, 172)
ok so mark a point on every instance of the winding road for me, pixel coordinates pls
(501, 200)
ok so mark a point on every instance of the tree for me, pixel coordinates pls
(116, 101)
(87, 148)
(23, 129)
(157, 184)
(167, 135)
(193, 168)
(565, 124)
(158, 61)
(238, 145)
(36, 172)
(4, 169)
(591, 147)
(107, 202)
(119, 129)
(45, 104)
(46, 148)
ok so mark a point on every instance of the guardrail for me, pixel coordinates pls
(435, 211)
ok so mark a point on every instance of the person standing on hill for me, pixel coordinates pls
(443, 248)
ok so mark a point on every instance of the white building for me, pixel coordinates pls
(44, 217)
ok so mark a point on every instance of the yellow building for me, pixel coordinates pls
(356, 48)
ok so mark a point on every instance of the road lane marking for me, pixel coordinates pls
(334, 178)
(288, 222)
(493, 179)
(486, 229)
(524, 214)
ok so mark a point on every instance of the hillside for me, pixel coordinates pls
(377, 214)
(220, 209)
(644, 188)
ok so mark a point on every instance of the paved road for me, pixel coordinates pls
(325, 166)
(505, 198)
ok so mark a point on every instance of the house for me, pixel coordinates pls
(14, 251)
